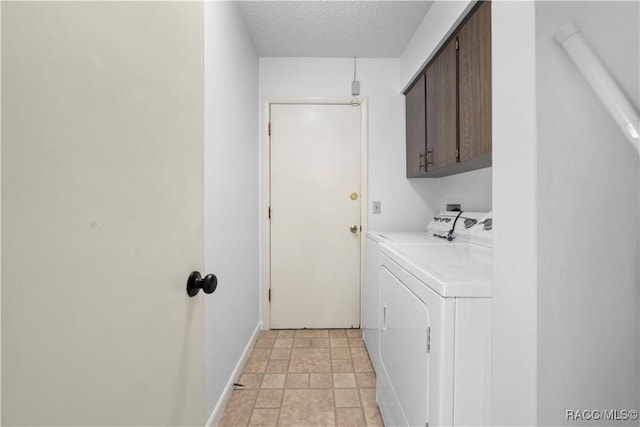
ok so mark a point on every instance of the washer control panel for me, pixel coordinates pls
(482, 233)
(460, 223)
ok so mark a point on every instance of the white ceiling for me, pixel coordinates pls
(366, 29)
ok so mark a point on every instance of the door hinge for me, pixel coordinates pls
(269, 128)
(457, 154)
(428, 339)
(269, 294)
(269, 212)
(457, 44)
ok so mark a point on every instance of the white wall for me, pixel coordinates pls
(471, 189)
(406, 204)
(0, 216)
(514, 365)
(587, 218)
(565, 318)
(231, 192)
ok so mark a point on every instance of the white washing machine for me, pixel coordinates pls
(433, 342)
(438, 227)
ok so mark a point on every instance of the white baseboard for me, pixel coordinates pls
(216, 415)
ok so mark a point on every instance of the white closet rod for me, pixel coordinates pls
(615, 101)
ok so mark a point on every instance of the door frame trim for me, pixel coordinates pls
(265, 174)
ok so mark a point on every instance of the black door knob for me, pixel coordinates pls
(195, 282)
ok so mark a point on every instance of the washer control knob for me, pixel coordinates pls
(469, 222)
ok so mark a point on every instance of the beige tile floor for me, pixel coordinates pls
(309, 377)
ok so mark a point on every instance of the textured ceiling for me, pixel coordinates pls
(366, 29)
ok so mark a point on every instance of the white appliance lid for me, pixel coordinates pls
(452, 270)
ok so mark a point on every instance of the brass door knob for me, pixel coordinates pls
(353, 229)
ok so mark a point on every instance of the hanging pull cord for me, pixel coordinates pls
(451, 235)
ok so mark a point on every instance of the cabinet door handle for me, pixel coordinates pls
(428, 157)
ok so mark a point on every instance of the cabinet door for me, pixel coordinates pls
(475, 84)
(415, 122)
(442, 96)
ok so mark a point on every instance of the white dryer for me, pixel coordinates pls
(434, 341)
(435, 233)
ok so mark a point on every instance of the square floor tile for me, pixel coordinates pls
(310, 360)
(250, 381)
(340, 353)
(286, 333)
(356, 342)
(344, 380)
(273, 380)
(264, 417)
(339, 342)
(276, 366)
(268, 334)
(354, 333)
(302, 342)
(269, 399)
(238, 408)
(283, 342)
(366, 379)
(372, 417)
(320, 381)
(297, 381)
(341, 365)
(307, 408)
(337, 333)
(368, 397)
(346, 397)
(362, 364)
(320, 342)
(359, 352)
(280, 353)
(312, 333)
(254, 366)
(350, 417)
(260, 354)
(264, 342)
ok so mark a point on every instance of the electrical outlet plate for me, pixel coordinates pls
(377, 207)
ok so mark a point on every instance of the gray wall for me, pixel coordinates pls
(514, 318)
(231, 192)
(587, 218)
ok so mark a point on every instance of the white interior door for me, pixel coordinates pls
(315, 202)
(102, 213)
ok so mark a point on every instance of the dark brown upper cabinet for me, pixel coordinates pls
(415, 121)
(442, 98)
(456, 126)
(474, 83)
